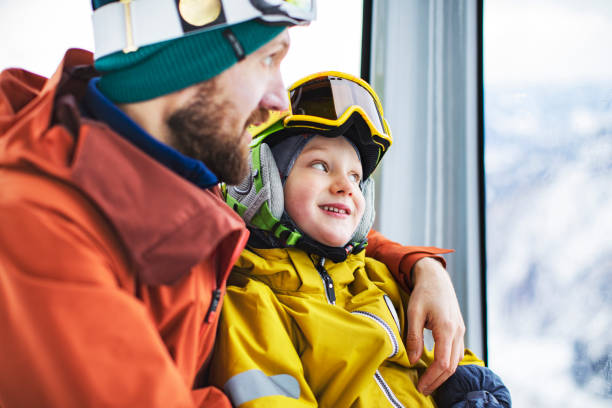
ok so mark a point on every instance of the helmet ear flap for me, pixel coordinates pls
(367, 220)
(271, 177)
(258, 198)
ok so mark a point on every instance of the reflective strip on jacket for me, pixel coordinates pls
(283, 344)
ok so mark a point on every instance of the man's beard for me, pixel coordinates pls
(204, 130)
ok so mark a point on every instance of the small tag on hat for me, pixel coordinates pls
(229, 35)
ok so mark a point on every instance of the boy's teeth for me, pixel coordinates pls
(333, 209)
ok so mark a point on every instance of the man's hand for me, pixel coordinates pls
(433, 305)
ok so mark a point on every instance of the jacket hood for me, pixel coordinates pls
(159, 223)
(26, 109)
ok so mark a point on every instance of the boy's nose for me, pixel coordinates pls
(342, 185)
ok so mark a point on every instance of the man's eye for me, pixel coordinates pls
(355, 177)
(319, 166)
(268, 60)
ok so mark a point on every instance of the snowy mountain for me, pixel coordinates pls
(549, 220)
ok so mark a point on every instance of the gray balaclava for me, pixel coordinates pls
(287, 151)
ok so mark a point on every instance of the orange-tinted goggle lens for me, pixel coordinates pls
(330, 96)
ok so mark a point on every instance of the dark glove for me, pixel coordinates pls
(473, 386)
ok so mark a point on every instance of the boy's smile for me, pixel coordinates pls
(336, 209)
(322, 193)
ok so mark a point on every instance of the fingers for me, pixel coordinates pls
(433, 304)
(448, 352)
(441, 368)
(414, 335)
(458, 347)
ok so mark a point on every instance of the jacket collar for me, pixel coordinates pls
(106, 111)
(293, 270)
(166, 224)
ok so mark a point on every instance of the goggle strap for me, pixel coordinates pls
(144, 22)
(130, 24)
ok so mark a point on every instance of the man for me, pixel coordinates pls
(114, 244)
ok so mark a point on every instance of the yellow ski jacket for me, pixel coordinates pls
(299, 331)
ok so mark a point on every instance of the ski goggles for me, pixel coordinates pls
(126, 25)
(327, 100)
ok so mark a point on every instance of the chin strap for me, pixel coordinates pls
(336, 254)
(293, 237)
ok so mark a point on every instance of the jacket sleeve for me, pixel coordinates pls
(400, 259)
(256, 359)
(473, 386)
(71, 336)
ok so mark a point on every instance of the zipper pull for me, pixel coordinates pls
(327, 281)
(214, 303)
(321, 264)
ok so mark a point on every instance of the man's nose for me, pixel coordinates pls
(275, 97)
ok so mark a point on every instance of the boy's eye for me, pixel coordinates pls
(267, 61)
(319, 166)
(354, 177)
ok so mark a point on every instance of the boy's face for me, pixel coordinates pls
(322, 193)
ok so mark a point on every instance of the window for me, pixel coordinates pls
(548, 164)
(330, 43)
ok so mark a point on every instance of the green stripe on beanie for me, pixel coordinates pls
(161, 68)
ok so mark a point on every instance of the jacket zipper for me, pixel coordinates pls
(384, 387)
(385, 327)
(328, 283)
(214, 303)
(393, 312)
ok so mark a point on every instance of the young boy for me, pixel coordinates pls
(309, 320)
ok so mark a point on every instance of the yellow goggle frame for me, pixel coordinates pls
(382, 133)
